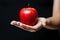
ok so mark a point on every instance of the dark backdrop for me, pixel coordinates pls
(9, 10)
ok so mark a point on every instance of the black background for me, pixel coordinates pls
(9, 10)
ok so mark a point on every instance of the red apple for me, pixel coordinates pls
(28, 16)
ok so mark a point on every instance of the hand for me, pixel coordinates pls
(38, 26)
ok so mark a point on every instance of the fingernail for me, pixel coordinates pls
(12, 23)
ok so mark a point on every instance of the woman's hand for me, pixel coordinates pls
(38, 26)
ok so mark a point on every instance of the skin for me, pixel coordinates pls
(54, 21)
(51, 23)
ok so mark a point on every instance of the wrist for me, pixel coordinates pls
(49, 24)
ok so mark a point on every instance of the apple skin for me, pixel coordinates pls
(28, 16)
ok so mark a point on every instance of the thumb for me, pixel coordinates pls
(43, 21)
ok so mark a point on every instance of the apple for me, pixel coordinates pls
(28, 16)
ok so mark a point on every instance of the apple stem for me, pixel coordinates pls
(28, 4)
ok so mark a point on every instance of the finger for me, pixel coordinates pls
(32, 30)
(20, 25)
(27, 27)
(29, 30)
(13, 23)
(43, 21)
